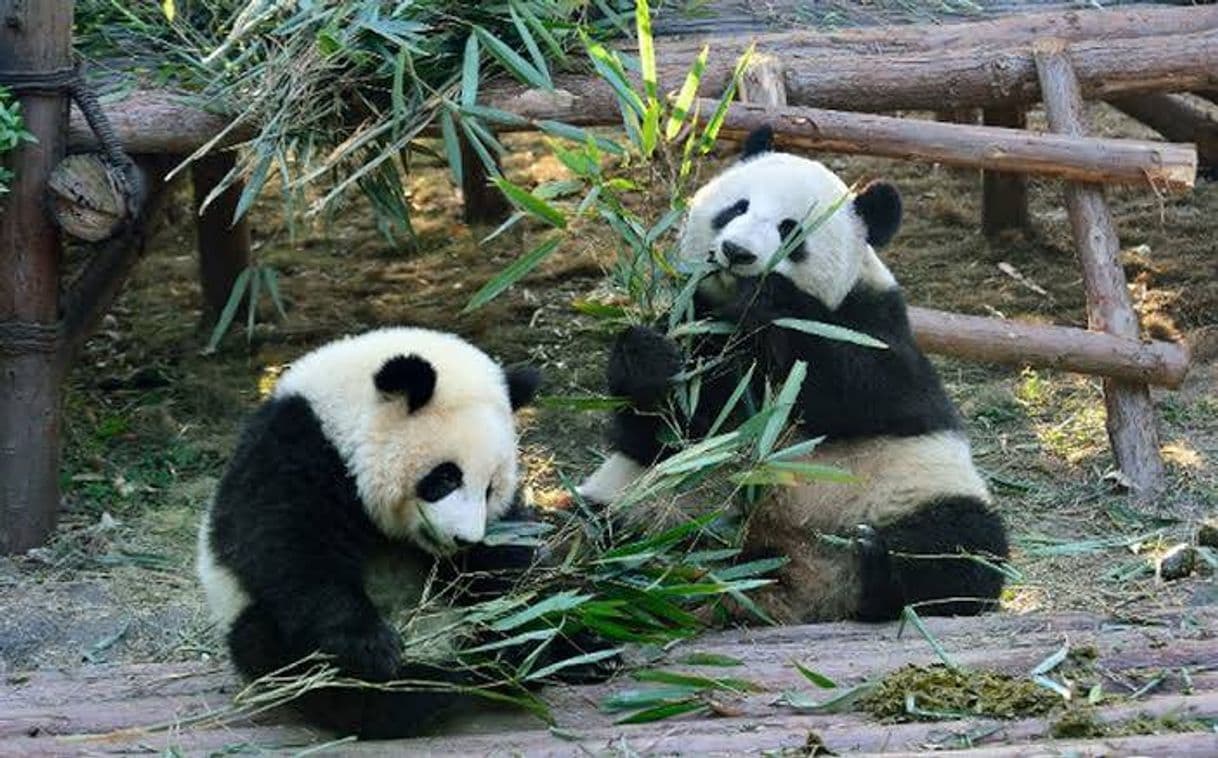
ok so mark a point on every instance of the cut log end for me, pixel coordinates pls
(86, 197)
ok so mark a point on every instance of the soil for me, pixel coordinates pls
(150, 419)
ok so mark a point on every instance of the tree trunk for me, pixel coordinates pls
(1178, 121)
(34, 36)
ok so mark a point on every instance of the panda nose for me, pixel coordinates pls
(737, 255)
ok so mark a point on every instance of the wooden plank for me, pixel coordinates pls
(34, 37)
(112, 699)
(1130, 413)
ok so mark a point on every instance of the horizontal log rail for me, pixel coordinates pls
(993, 340)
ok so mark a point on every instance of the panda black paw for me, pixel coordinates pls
(367, 649)
(641, 366)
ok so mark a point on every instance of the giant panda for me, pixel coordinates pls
(389, 450)
(918, 500)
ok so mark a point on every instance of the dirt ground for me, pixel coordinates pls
(150, 419)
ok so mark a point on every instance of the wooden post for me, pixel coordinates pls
(36, 37)
(762, 82)
(224, 247)
(1131, 415)
(1004, 196)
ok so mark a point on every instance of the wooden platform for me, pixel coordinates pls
(1176, 654)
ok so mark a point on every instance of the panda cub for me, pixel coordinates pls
(399, 441)
(917, 499)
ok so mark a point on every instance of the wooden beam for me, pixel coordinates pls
(34, 37)
(224, 247)
(992, 340)
(1076, 158)
(933, 79)
(1131, 415)
(1177, 120)
(1004, 195)
(157, 121)
(483, 203)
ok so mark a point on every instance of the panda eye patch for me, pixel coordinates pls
(786, 229)
(724, 217)
(439, 482)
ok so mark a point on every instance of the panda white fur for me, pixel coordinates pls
(399, 441)
(918, 499)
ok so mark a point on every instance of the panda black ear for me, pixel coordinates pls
(879, 206)
(407, 375)
(760, 140)
(522, 382)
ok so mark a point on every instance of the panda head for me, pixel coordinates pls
(739, 220)
(424, 422)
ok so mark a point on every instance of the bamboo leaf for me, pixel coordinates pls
(798, 450)
(662, 712)
(681, 112)
(820, 680)
(557, 603)
(711, 132)
(272, 286)
(783, 405)
(251, 309)
(741, 387)
(647, 51)
(843, 701)
(1053, 661)
(645, 698)
(910, 615)
(512, 274)
(532, 204)
(710, 659)
(469, 72)
(230, 309)
(578, 660)
(700, 682)
(530, 44)
(511, 60)
(830, 331)
(452, 147)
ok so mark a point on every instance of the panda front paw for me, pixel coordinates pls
(367, 649)
(641, 366)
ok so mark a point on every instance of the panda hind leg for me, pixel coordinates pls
(910, 561)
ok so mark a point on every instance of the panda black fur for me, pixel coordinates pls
(884, 414)
(395, 442)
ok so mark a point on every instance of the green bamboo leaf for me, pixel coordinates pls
(661, 540)
(227, 315)
(798, 450)
(1053, 661)
(830, 331)
(751, 568)
(685, 98)
(645, 698)
(711, 132)
(251, 309)
(511, 60)
(557, 603)
(519, 639)
(700, 682)
(254, 184)
(741, 387)
(576, 134)
(512, 274)
(647, 52)
(599, 310)
(469, 71)
(662, 712)
(495, 115)
(578, 660)
(475, 142)
(610, 69)
(820, 680)
(540, 29)
(908, 614)
(710, 659)
(272, 286)
(530, 44)
(783, 405)
(529, 202)
(452, 147)
(843, 701)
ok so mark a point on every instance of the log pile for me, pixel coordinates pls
(109, 708)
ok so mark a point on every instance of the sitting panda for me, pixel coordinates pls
(397, 442)
(883, 413)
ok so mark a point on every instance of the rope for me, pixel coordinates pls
(72, 81)
(26, 337)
